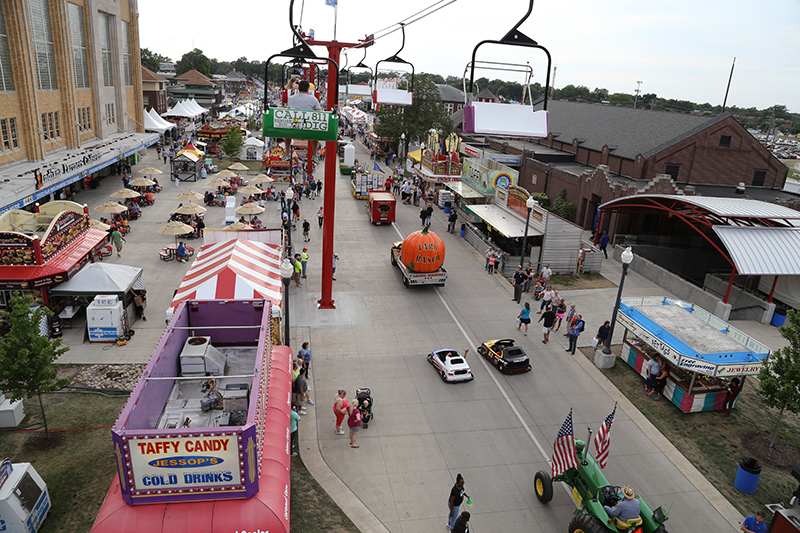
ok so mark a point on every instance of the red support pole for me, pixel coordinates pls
(772, 291)
(597, 230)
(730, 285)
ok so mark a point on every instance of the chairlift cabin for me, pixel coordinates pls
(494, 118)
(284, 122)
(386, 92)
(353, 89)
(301, 70)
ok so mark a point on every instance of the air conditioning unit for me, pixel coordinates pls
(199, 358)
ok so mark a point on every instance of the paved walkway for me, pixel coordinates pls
(497, 431)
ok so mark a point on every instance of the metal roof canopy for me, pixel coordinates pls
(691, 337)
(761, 251)
(463, 190)
(509, 225)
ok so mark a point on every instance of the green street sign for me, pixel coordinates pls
(297, 124)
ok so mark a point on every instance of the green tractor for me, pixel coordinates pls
(591, 490)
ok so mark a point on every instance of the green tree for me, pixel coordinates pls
(232, 143)
(151, 60)
(196, 60)
(416, 120)
(621, 99)
(26, 356)
(564, 208)
(780, 375)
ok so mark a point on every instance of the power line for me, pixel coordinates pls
(407, 21)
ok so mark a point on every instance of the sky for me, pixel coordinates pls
(680, 49)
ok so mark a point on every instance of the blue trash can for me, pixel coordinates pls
(463, 230)
(779, 317)
(747, 475)
(447, 207)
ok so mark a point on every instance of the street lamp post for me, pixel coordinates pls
(286, 273)
(627, 257)
(402, 151)
(530, 203)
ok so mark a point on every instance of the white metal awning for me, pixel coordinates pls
(463, 190)
(506, 223)
(762, 251)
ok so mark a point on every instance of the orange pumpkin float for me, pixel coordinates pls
(422, 251)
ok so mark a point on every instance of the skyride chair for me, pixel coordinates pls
(352, 89)
(392, 96)
(490, 118)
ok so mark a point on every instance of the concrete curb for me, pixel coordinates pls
(720, 503)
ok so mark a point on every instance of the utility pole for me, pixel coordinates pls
(553, 86)
(637, 91)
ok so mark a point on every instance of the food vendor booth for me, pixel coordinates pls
(703, 352)
(44, 248)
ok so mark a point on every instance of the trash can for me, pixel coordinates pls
(747, 475)
(779, 317)
(463, 230)
(447, 207)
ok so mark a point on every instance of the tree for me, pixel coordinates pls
(26, 356)
(780, 375)
(196, 60)
(151, 60)
(621, 99)
(232, 143)
(564, 208)
(416, 120)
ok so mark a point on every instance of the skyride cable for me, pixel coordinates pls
(398, 25)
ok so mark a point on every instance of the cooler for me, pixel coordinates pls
(105, 318)
(24, 500)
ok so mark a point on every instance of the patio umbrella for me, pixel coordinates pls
(191, 209)
(111, 207)
(175, 228)
(190, 195)
(218, 182)
(150, 170)
(249, 209)
(125, 193)
(261, 178)
(226, 174)
(237, 166)
(239, 226)
(96, 224)
(250, 189)
(141, 181)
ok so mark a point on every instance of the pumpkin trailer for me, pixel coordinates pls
(420, 257)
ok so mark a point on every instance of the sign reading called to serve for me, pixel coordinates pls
(300, 124)
(185, 462)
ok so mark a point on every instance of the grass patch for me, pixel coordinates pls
(588, 280)
(227, 161)
(714, 444)
(312, 510)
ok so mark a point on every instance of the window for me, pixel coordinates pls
(50, 125)
(105, 49)
(84, 119)
(44, 126)
(6, 136)
(725, 141)
(110, 114)
(77, 34)
(12, 123)
(57, 125)
(51, 128)
(88, 119)
(673, 170)
(6, 75)
(126, 54)
(42, 37)
(448, 108)
(758, 178)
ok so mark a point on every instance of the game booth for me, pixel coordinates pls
(703, 352)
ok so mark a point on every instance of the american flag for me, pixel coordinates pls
(602, 440)
(564, 454)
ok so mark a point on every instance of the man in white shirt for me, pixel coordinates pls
(304, 101)
(546, 273)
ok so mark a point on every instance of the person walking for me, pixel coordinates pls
(492, 260)
(306, 230)
(602, 333)
(524, 317)
(461, 525)
(320, 216)
(118, 239)
(295, 418)
(561, 312)
(428, 215)
(604, 244)
(730, 397)
(547, 298)
(574, 333)
(489, 253)
(340, 407)
(423, 214)
(549, 317)
(529, 274)
(457, 495)
(519, 282)
(333, 273)
(304, 261)
(546, 273)
(451, 221)
(570, 318)
(354, 422)
(138, 301)
(305, 357)
(298, 269)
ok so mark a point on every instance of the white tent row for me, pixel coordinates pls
(354, 115)
(192, 105)
(153, 122)
(183, 109)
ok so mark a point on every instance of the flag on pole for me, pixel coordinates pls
(331, 3)
(602, 440)
(564, 453)
(377, 168)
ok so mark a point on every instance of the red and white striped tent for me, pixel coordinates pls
(238, 269)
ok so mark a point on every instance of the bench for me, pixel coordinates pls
(490, 118)
(165, 256)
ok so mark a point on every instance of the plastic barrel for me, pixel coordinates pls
(747, 475)
(779, 317)
(463, 230)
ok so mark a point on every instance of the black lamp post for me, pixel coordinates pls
(530, 203)
(286, 273)
(627, 257)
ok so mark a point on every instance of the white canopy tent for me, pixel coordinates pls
(158, 120)
(101, 278)
(151, 125)
(253, 149)
(180, 111)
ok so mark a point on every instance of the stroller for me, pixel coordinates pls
(364, 397)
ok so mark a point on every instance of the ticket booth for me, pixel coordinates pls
(381, 207)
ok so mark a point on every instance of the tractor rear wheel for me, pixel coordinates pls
(586, 523)
(543, 486)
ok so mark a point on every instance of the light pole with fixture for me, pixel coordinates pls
(287, 269)
(402, 151)
(627, 257)
(530, 203)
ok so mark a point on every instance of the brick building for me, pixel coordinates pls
(154, 91)
(598, 153)
(194, 84)
(70, 82)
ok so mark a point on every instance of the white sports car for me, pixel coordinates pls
(450, 365)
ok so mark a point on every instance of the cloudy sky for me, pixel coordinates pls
(679, 49)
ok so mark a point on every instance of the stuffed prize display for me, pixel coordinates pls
(423, 251)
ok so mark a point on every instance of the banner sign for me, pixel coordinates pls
(299, 124)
